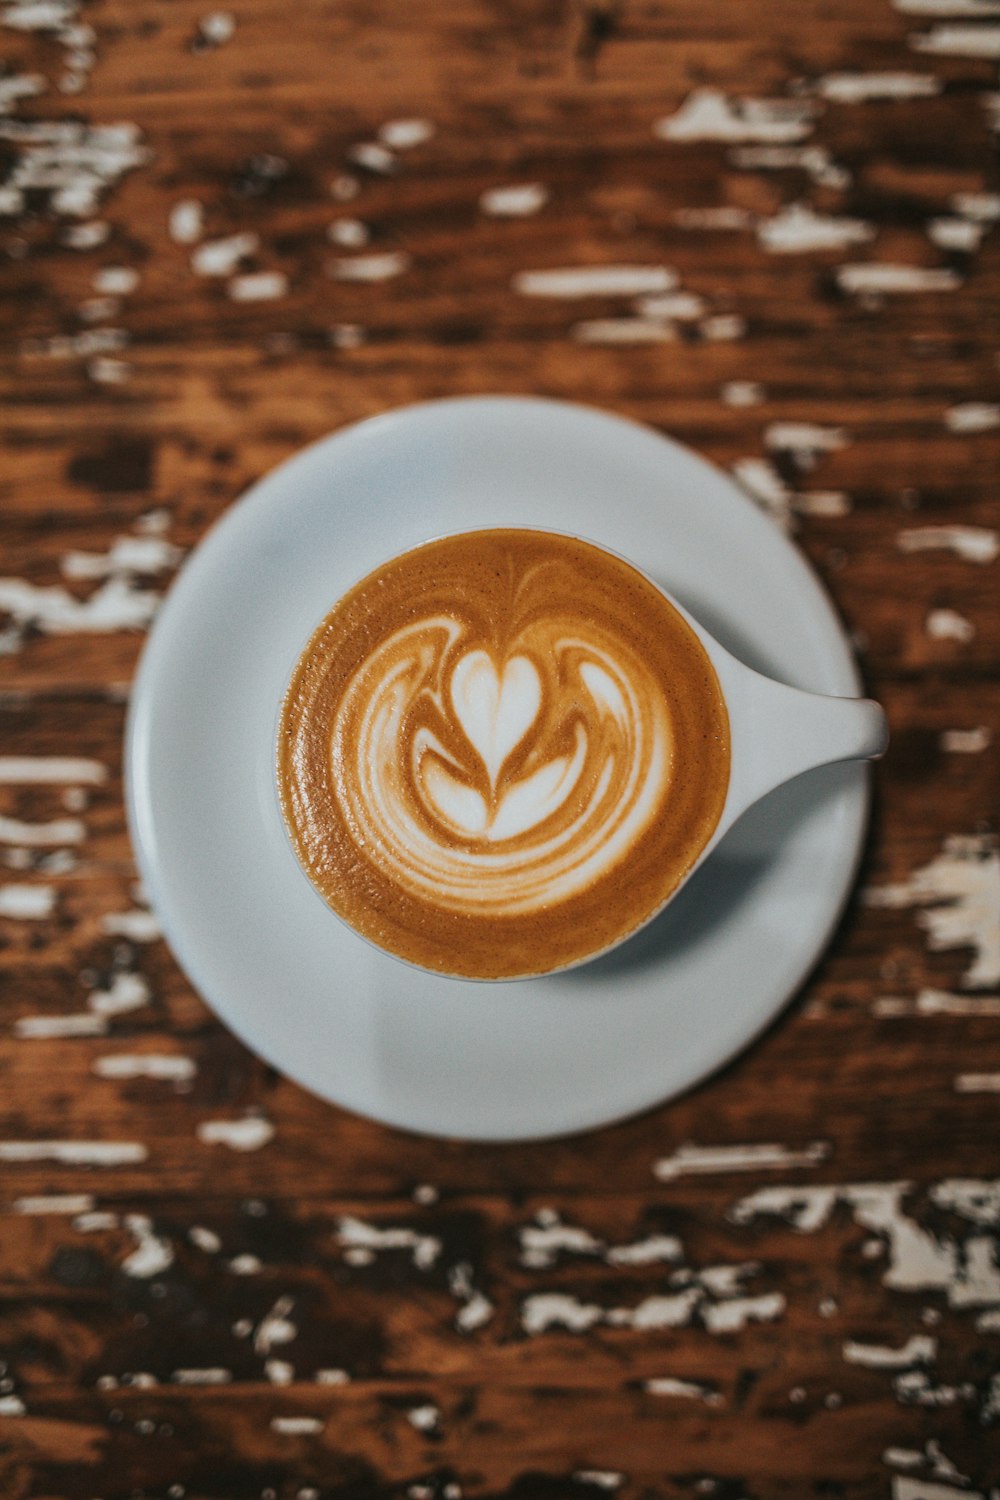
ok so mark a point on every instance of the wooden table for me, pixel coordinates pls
(226, 234)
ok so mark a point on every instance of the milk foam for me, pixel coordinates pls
(500, 785)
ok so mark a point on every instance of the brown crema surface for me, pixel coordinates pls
(501, 752)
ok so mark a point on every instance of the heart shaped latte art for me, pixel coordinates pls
(500, 783)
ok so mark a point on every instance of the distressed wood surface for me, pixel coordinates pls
(227, 233)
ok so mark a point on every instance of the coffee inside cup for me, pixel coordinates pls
(501, 752)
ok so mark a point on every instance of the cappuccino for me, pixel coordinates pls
(501, 752)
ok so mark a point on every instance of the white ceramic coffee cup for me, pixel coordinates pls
(776, 733)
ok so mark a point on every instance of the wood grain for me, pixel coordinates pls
(785, 1283)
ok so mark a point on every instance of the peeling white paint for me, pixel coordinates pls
(258, 286)
(164, 1066)
(949, 625)
(73, 163)
(153, 1254)
(975, 544)
(248, 1134)
(684, 307)
(222, 257)
(403, 135)
(279, 1371)
(332, 1377)
(710, 115)
(27, 903)
(41, 770)
(595, 281)
(929, 1002)
(374, 157)
(805, 441)
(605, 1479)
(815, 161)
(690, 1159)
(821, 503)
(17, 86)
(12, 1406)
(370, 268)
(920, 1489)
(186, 224)
(723, 327)
(970, 1197)
(296, 1426)
(137, 926)
(476, 1309)
(687, 1390)
(959, 41)
(47, 1028)
(884, 278)
(75, 1153)
(743, 393)
(655, 1247)
(106, 371)
(85, 236)
(204, 1239)
(799, 229)
(732, 1316)
(915, 1388)
(245, 1265)
(355, 1234)
(136, 555)
(275, 1327)
(424, 1418)
(964, 235)
(95, 1223)
(972, 416)
(977, 1083)
(116, 605)
(959, 893)
(544, 1241)
(349, 234)
(55, 1203)
(860, 88)
(918, 1350)
(983, 207)
(211, 1375)
(624, 331)
(516, 200)
(42, 835)
(217, 28)
(115, 281)
(127, 991)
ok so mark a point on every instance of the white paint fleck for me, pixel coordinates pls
(929, 1002)
(815, 161)
(604, 1479)
(55, 1203)
(374, 157)
(12, 1406)
(799, 229)
(248, 1134)
(275, 1327)
(516, 200)
(85, 236)
(369, 268)
(920, 1489)
(709, 115)
(296, 1426)
(218, 27)
(595, 281)
(165, 1066)
(75, 1153)
(73, 163)
(977, 1083)
(724, 216)
(116, 605)
(959, 41)
(153, 1254)
(975, 544)
(686, 1390)
(403, 135)
(425, 1193)
(279, 1371)
(882, 278)
(918, 1350)
(983, 207)
(989, 1322)
(115, 281)
(743, 393)
(821, 503)
(723, 327)
(355, 1234)
(424, 1418)
(542, 1243)
(949, 625)
(127, 991)
(476, 1308)
(959, 893)
(731, 1316)
(623, 331)
(245, 1265)
(690, 1159)
(915, 1388)
(137, 926)
(135, 555)
(947, 7)
(42, 835)
(860, 88)
(971, 1198)
(95, 1223)
(332, 1377)
(655, 1247)
(17, 86)
(258, 286)
(186, 224)
(46, 1028)
(349, 234)
(547, 1310)
(98, 309)
(955, 234)
(211, 1375)
(106, 371)
(684, 307)
(204, 1239)
(222, 257)
(972, 416)
(805, 441)
(27, 903)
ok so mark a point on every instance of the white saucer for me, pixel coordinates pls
(490, 1061)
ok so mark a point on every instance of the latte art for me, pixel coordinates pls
(500, 753)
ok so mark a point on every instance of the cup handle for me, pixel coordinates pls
(778, 732)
